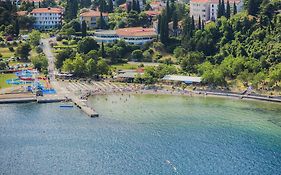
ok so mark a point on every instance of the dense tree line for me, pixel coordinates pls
(244, 47)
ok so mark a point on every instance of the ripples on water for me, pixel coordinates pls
(142, 135)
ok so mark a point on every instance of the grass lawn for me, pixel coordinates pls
(124, 66)
(6, 53)
(3, 78)
(33, 54)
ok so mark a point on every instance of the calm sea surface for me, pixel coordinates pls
(145, 134)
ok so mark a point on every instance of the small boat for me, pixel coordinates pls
(66, 106)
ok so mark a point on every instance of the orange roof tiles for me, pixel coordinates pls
(22, 13)
(152, 13)
(155, 3)
(92, 13)
(136, 31)
(47, 10)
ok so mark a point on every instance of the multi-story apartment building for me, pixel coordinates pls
(91, 17)
(200, 8)
(208, 9)
(132, 35)
(47, 18)
(214, 7)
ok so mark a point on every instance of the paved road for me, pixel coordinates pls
(50, 56)
(51, 67)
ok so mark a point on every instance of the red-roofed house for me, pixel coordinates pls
(132, 35)
(91, 18)
(157, 5)
(47, 18)
(151, 13)
(22, 13)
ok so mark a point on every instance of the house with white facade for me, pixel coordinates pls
(214, 7)
(200, 8)
(47, 18)
(91, 17)
(132, 35)
(208, 9)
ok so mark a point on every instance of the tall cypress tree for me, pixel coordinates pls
(164, 29)
(110, 6)
(172, 7)
(203, 25)
(102, 24)
(222, 8)
(186, 33)
(192, 24)
(168, 15)
(199, 23)
(138, 6)
(227, 13)
(219, 12)
(253, 7)
(134, 5)
(175, 21)
(159, 24)
(234, 8)
(102, 51)
(102, 6)
(71, 9)
(84, 28)
(17, 27)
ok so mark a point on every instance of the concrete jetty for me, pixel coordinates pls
(84, 107)
(254, 97)
(18, 100)
(51, 99)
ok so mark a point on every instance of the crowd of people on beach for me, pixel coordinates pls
(126, 88)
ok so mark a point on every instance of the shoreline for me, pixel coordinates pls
(201, 93)
(196, 93)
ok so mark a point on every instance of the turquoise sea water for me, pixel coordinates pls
(145, 134)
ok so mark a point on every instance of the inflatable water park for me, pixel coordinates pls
(31, 81)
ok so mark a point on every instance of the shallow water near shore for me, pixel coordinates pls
(142, 134)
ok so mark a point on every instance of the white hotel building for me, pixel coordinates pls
(47, 18)
(207, 9)
(132, 35)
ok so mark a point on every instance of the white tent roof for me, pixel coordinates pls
(186, 79)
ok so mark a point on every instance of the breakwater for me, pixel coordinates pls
(81, 104)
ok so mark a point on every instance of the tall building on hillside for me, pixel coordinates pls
(208, 9)
(132, 35)
(91, 17)
(47, 18)
(200, 8)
